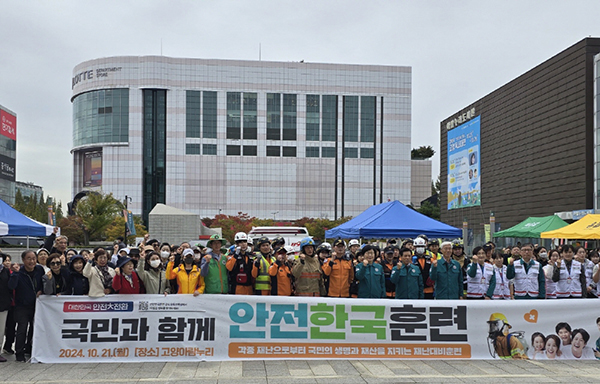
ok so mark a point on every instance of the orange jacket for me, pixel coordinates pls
(284, 278)
(188, 282)
(341, 274)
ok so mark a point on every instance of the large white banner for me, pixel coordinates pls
(146, 328)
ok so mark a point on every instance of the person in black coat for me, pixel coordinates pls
(5, 298)
(27, 285)
(56, 281)
(79, 284)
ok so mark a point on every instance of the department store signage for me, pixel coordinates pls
(461, 118)
(7, 168)
(8, 125)
(93, 73)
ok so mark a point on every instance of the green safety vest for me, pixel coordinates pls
(217, 281)
(263, 280)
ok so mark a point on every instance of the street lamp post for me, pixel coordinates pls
(127, 200)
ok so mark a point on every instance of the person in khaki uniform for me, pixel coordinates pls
(307, 270)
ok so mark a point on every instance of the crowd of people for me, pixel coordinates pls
(413, 269)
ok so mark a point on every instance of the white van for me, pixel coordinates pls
(292, 235)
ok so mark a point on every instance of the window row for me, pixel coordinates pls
(277, 151)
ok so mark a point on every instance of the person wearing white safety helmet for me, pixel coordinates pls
(353, 246)
(423, 261)
(239, 264)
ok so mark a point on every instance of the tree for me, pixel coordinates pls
(230, 225)
(97, 212)
(117, 228)
(430, 210)
(435, 187)
(71, 227)
(20, 204)
(422, 153)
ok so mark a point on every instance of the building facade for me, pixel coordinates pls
(8, 154)
(271, 139)
(28, 190)
(537, 148)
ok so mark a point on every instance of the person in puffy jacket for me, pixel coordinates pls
(79, 284)
(370, 276)
(187, 274)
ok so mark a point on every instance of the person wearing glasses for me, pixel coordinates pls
(528, 274)
(56, 280)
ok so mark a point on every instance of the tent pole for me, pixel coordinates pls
(27, 241)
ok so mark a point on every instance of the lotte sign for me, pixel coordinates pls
(8, 125)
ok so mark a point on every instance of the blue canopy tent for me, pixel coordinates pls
(14, 223)
(392, 219)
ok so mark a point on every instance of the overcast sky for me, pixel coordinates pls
(459, 51)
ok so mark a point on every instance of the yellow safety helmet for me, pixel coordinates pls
(498, 316)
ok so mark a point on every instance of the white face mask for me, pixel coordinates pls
(196, 257)
(165, 254)
(154, 263)
(420, 250)
(291, 257)
(543, 255)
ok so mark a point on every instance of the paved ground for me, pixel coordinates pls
(296, 372)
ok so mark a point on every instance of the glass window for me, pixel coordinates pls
(312, 118)
(367, 119)
(366, 153)
(192, 114)
(250, 124)
(192, 149)
(351, 153)
(209, 114)
(249, 150)
(154, 115)
(233, 115)
(233, 150)
(329, 125)
(328, 152)
(351, 118)
(289, 117)
(289, 151)
(273, 116)
(209, 149)
(273, 151)
(312, 151)
(101, 117)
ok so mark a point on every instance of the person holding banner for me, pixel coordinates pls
(26, 282)
(99, 274)
(126, 280)
(212, 268)
(187, 274)
(152, 274)
(6, 295)
(529, 278)
(407, 278)
(446, 275)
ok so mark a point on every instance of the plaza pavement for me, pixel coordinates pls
(305, 371)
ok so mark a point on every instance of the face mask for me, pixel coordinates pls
(197, 257)
(154, 263)
(165, 254)
(543, 255)
(189, 260)
(291, 257)
(420, 250)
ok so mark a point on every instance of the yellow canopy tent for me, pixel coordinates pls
(588, 227)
